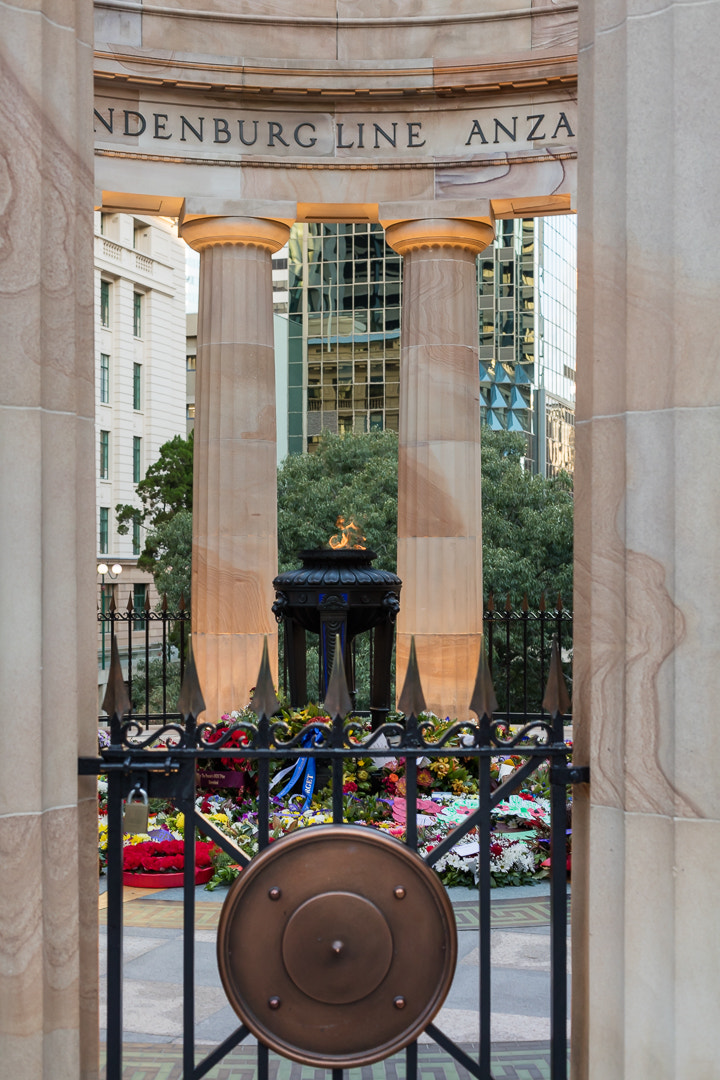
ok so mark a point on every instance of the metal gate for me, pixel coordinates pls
(133, 760)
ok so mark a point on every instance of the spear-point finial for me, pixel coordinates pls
(191, 701)
(337, 697)
(412, 699)
(146, 605)
(264, 701)
(181, 605)
(164, 603)
(129, 607)
(557, 699)
(508, 605)
(117, 700)
(483, 701)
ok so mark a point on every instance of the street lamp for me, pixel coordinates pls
(111, 572)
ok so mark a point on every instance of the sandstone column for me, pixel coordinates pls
(646, 872)
(48, 542)
(235, 485)
(439, 507)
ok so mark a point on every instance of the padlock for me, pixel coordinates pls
(135, 814)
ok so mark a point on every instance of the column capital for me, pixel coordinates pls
(466, 233)
(202, 232)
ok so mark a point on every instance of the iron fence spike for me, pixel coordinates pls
(337, 697)
(412, 700)
(525, 604)
(164, 604)
(117, 700)
(542, 600)
(559, 605)
(483, 701)
(112, 606)
(557, 699)
(264, 701)
(146, 605)
(508, 605)
(129, 606)
(491, 602)
(181, 605)
(191, 701)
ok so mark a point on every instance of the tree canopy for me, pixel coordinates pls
(165, 489)
(527, 520)
(353, 476)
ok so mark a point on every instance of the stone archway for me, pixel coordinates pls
(645, 922)
(435, 152)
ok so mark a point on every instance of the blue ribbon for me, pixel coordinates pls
(306, 765)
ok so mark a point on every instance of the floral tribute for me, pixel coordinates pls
(157, 856)
(374, 794)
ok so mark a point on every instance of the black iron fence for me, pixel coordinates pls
(163, 764)
(518, 643)
(152, 647)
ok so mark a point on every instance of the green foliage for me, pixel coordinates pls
(354, 476)
(170, 543)
(155, 676)
(527, 520)
(165, 489)
(527, 525)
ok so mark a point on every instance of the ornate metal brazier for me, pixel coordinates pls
(338, 593)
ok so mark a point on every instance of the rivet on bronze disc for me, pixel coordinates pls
(399, 1002)
(399, 893)
(274, 893)
(274, 1002)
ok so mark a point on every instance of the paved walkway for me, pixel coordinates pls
(152, 992)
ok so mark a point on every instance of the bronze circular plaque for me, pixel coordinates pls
(337, 946)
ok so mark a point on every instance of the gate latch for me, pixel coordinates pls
(570, 774)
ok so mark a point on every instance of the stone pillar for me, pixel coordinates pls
(48, 542)
(439, 507)
(235, 475)
(646, 872)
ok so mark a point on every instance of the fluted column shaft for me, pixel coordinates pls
(439, 501)
(235, 484)
(646, 831)
(48, 542)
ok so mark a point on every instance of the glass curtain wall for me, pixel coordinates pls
(344, 294)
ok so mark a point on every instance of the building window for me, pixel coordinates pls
(105, 303)
(137, 386)
(190, 410)
(104, 378)
(137, 314)
(136, 535)
(104, 528)
(137, 453)
(190, 362)
(139, 598)
(104, 454)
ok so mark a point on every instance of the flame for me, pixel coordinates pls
(350, 536)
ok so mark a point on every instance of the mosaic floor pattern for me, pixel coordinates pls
(510, 1061)
(507, 913)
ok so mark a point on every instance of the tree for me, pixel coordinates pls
(165, 489)
(527, 524)
(353, 476)
(171, 544)
(527, 520)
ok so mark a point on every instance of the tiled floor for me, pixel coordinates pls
(152, 993)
